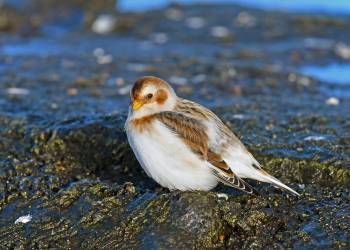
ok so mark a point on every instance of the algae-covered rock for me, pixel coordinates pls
(81, 146)
(68, 178)
(81, 196)
(9, 20)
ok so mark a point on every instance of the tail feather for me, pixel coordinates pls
(235, 182)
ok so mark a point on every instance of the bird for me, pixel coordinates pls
(184, 146)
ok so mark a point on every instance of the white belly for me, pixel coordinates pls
(168, 160)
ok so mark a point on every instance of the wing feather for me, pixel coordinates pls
(234, 181)
(194, 134)
(191, 131)
(223, 150)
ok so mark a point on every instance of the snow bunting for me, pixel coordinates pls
(183, 145)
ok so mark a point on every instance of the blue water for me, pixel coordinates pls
(336, 77)
(33, 47)
(314, 6)
(333, 73)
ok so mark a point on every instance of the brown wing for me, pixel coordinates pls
(199, 112)
(216, 160)
(193, 133)
(190, 130)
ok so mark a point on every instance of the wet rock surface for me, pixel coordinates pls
(65, 161)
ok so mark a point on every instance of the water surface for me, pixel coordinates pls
(324, 6)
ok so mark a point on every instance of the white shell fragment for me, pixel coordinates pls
(315, 138)
(24, 219)
(222, 195)
(17, 91)
(332, 101)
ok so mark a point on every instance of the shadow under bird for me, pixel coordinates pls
(183, 145)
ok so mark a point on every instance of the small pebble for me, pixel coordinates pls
(244, 19)
(239, 116)
(305, 81)
(199, 78)
(24, 219)
(119, 81)
(17, 91)
(54, 105)
(125, 90)
(315, 138)
(342, 50)
(332, 101)
(219, 31)
(195, 22)
(302, 80)
(104, 59)
(177, 80)
(98, 52)
(292, 77)
(104, 24)
(160, 38)
(236, 90)
(269, 126)
(185, 89)
(81, 81)
(130, 188)
(174, 14)
(222, 195)
(95, 92)
(72, 91)
(137, 67)
(231, 72)
(68, 64)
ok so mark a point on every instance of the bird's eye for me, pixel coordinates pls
(149, 96)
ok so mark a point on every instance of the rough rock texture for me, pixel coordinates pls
(65, 161)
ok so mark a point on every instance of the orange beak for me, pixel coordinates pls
(137, 104)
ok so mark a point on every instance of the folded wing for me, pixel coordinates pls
(194, 134)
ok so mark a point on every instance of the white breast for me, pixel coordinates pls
(168, 160)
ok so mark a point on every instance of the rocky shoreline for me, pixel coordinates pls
(65, 161)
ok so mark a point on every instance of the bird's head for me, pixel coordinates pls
(151, 95)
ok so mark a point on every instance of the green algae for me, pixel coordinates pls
(80, 196)
(69, 166)
(308, 172)
(121, 216)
